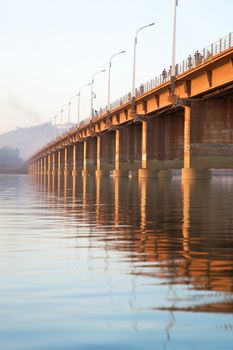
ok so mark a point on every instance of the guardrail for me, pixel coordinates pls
(192, 61)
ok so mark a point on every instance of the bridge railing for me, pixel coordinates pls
(192, 61)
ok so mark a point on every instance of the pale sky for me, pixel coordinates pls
(49, 48)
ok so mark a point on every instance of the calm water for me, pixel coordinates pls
(116, 264)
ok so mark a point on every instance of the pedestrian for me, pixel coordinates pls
(164, 75)
(208, 55)
(170, 72)
(141, 89)
(197, 57)
(189, 62)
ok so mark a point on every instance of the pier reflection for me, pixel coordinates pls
(176, 234)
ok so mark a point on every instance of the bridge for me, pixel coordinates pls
(158, 130)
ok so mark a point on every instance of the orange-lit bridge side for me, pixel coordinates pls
(192, 130)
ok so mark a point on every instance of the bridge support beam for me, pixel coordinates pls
(101, 169)
(59, 162)
(84, 171)
(89, 156)
(66, 171)
(118, 171)
(74, 166)
(53, 164)
(45, 166)
(189, 173)
(41, 166)
(49, 164)
(144, 171)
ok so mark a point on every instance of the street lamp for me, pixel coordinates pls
(79, 94)
(61, 121)
(173, 69)
(109, 77)
(92, 94)
(69, 105)
(55, 117)
(134, 58)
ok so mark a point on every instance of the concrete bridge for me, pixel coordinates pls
(191, 129)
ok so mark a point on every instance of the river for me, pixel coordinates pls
(109, 263)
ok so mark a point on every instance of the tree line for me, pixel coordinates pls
(10, 157)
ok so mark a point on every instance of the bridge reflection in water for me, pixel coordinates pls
(95, 263)
(177, 234)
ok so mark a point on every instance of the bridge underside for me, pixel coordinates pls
(194, 138)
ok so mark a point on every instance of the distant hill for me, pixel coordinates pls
(28, 140)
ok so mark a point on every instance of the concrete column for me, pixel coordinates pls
(188, 172)
(99, 170)
(38, 167)
(144, 171)
(49, 164)
(84, 171)
(53, 164)
(66, 161)
(187, 120)
(74, 169)
(58, 162)
(45, 165)
(118, 171)
(41, 166)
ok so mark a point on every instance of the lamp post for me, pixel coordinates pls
(54, 134)
(173, 69)
(69, 105)
(79, 95)
(61, 121)
(109, 77)
(92, 94)
(134, 62)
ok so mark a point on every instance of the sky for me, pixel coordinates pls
(49, 48)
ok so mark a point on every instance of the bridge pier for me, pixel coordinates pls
(66, 169)
(59, 162)
(84, 171)
(208, 137)
(77, 156)
(145, 171)
(53, 163)
(45, 165)
(100, 170)
(119, 166)
(74, 168)
(49, 164)
(128, 150)
(41, 166)
(105, 154)
(188, 172)
(89, 156)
